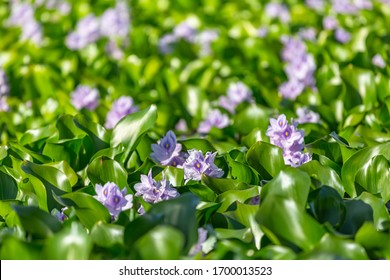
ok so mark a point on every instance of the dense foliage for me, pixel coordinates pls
(205, 129)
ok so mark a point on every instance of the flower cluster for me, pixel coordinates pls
(348, 7)
(279, 11)
(22, 16)
(214, 119)
(120, 108)
(188, 31)
(153, 191)
(307, 116)
(299, 69)
(113, 24)
(236, 93)
(85, 97)
(114, 199)
(61, 6)
(4, 91)
(290, 139)
(378, 61)
(167, 151)
(197, 164)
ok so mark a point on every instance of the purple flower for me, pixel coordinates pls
(115, 22)
(166, 43)
(291, 89)
(307, 34)
(342, 35)
(277, 10)
(307, 116)
(292, 48)
(289, 138)
(114, 199)
(4, 86)
(239, 92)
(181, 125)
(60, 215)
(344, 7)
(329, 23)
(4, 107)
(196, 164)
(153, 191)
(186, 31)
(204, 40)
(202, 236)
(214, 119)
(378, 61)
(113, 50)
(318, 5)
(262, 32)
(22, 15)
(121, 107)
(85, 97)
(87, 31)
(168, 151)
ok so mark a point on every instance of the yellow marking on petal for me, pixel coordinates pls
(286, 133)
(167, 145)
(116, 199)
(198, 165)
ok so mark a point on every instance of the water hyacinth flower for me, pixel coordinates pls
(185, 30)
(114, 199)
(198, 247)
(167, 151)
(22, 16)
(113, 50)
(60, 215)
(115, 22)
(262, 32)
(214, 119)
(166, 43)
(120, 108)
(61, 6)
(87, 31)
(85, 97)
(342, 35)
(204, 40)
(197, 164)
(317, 5)
(330, 23)
(4, 107)
(378, 61)
(307, 116)
(4, 86)
(279, 11)
(236, 93)
(290, 139)
(153, 191)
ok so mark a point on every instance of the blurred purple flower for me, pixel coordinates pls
(114, 199)
(166, 43)
(114, 51)
(85, 97)
(202, 237)
(121, 107)
(186, 31)
(378, 61)
(236, 93)
(168, 151)
(342, 35)
(307, 116)
(307, 34)
(181, 125)
(291, 89)
(60, 215)
(153, 191)
(289, 138)
(317, 5)
(292, 48)
(204, 40)
(4, 86)
(277, 10)
(197, 164)
(87, 31)
(22, 16)
(115, 22)
(4, 107)
(330, 23)
(214, 119)
(61, 6)
(262, 32)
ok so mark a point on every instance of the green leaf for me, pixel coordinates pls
(37, 222)
(290, 183)
(381, 214)
(100, 137)
(102, 170)
(221, 185)
(107, 235)
(242, 172)
(327, 205)
(14, 249)
(357, 213)
(161, 243)
(130, 129)
(253, 116)
(274, 252)
(335, 248)
(361, 159)
(286, 219)
(199, 144)
(71, 243)
(266, 159)
(326, 175)
(231, 196)
(88, 209)
(8, 187)
(376, 243)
